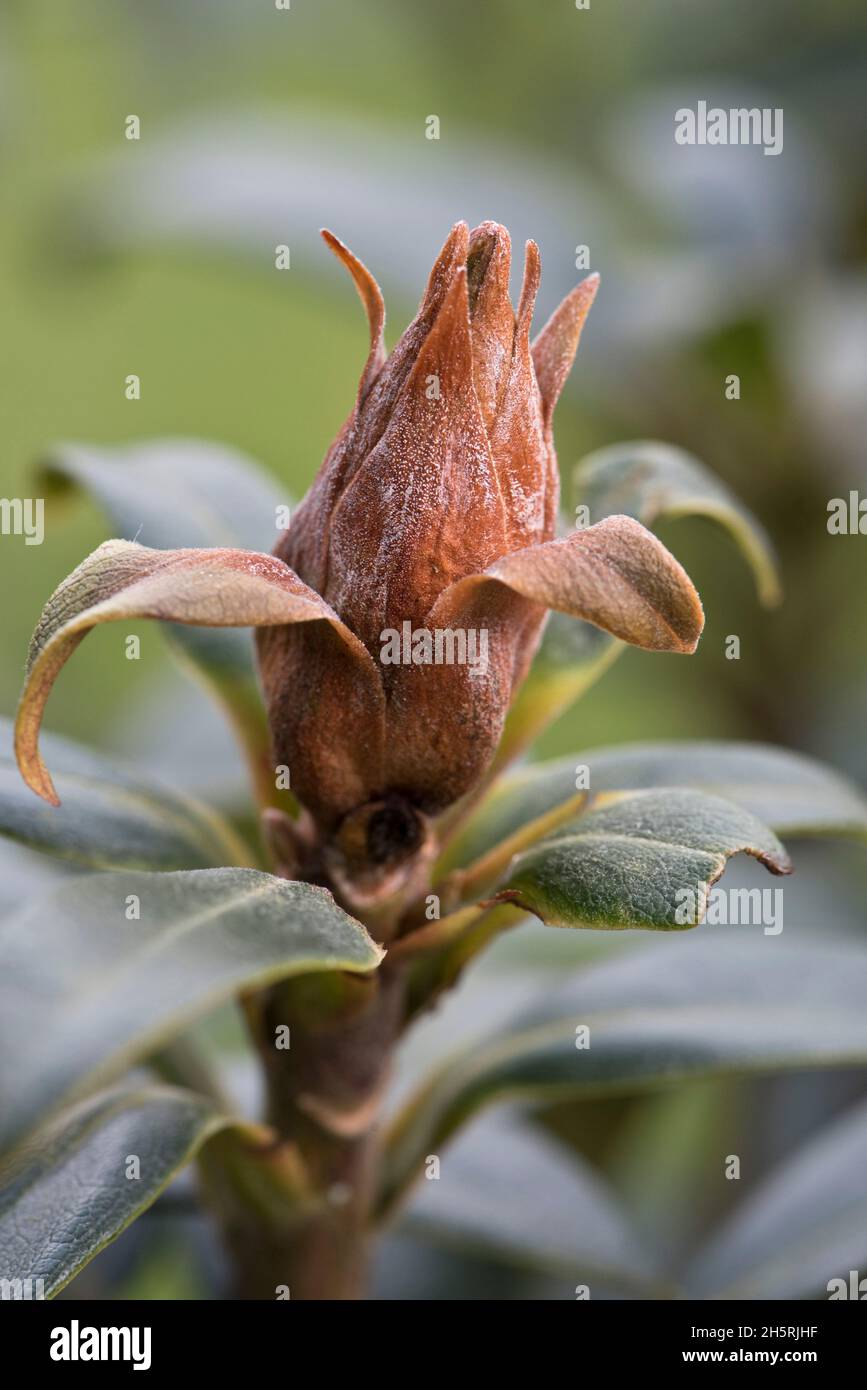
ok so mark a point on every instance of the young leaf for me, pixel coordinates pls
(102, 972)
(645, 860)
(654, 1016)
(644, 480)
(68, 1193)
(207, 588)
(802, 1226)
(110, 817)
(793, 794)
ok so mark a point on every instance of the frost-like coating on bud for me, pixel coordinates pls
(429, 533)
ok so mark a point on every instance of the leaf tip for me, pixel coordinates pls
(34, 772)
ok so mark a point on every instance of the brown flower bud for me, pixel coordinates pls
(431, 521)
(405, 602)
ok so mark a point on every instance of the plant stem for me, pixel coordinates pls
(324, 1093)
(465, 884)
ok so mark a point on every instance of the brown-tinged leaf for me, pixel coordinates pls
(648, 480)
(616, 575)
(208, 588)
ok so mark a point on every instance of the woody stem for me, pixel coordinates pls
(323, 1095)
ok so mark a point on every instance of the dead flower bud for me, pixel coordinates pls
(404, 603)
(430, 532)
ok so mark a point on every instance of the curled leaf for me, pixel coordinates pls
(648, 480)
(208, 588)
(615, 574)
(174, 492)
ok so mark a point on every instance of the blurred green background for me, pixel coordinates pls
(258, 126)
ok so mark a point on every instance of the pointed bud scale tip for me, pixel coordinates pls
(374, 306)
(529, 287)
(555, 346)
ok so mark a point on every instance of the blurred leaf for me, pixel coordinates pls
(791, 793)
(176, 493)
(708, 1006)
(567, 1220)
(803, 1225)
(65, 1195)
(171, 493)
(85, 992)
(646, 481)
(183, 741)
(24, 872)
(625, 864)
(109, 817)
(169, 1269)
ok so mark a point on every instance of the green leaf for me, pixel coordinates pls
(85, 992)
(65, 1195)
(567, 1222)
(704, 1006)
(647, 481)
(791, 793)
(172, 494)
(110, 817)
(627, 863)
(803, 1225)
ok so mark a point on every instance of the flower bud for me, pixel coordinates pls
(429, 533)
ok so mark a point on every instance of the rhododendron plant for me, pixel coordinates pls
(404, 659)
